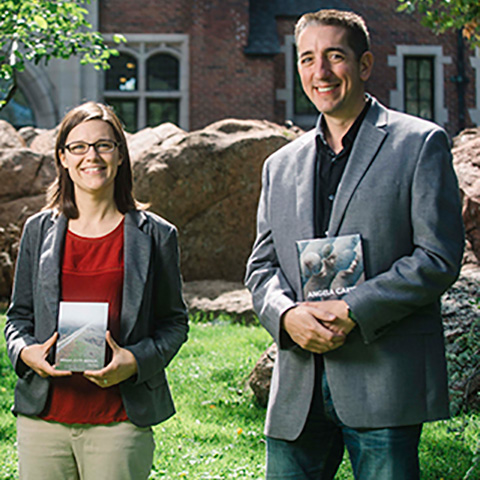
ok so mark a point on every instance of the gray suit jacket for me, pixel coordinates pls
(399, 191)
(153, 322)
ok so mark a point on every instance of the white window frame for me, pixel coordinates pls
(397, 97)
(142, 47)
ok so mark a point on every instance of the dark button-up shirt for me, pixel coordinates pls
(329, 170)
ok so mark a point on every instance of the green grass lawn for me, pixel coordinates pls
(217, 432)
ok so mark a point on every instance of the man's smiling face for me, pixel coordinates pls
(332, 77)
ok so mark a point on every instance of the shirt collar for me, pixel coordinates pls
(349, 137)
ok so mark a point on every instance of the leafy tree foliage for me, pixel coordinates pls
(36, 30)
(443, 15)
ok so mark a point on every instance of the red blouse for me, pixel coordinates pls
(92, 271)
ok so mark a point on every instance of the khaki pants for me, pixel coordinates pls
(56, 451)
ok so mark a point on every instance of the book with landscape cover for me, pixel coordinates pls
(81, 344)
(330, 267)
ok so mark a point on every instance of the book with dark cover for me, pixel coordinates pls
(81, 344)
(330, 267)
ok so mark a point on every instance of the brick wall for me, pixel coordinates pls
(145, 16)
(224, 82)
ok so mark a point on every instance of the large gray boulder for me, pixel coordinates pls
(25, 176)
(466, 159)
(41, 140)
(9, 242)
(9, 137)
(207, 183)
(215, 298)
(141, 142)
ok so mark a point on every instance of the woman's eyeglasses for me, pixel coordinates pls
(100, 146)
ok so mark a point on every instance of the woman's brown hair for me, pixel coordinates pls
(61, 195)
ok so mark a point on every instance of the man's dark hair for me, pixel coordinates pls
(357, 31)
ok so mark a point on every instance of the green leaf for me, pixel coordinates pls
(45, 29)
(447, 15)
(40, 21)
(117, 38)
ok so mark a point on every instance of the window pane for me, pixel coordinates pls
(162, 72)
(162, 111)
(122, 74)
(425, 110)
(411, 68)
(17, 112)
(418, 81)
(412, 107)
(425, 72)
(411, 89)
(425, 90)
(126, 110)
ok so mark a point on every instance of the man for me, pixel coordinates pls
(367, 370)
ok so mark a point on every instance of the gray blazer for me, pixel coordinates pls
(153, 322)
(399, 191)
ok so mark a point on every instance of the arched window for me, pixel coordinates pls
(162, 76)
(122, 74)
(147, 83)
(162, 72)
(123, 77)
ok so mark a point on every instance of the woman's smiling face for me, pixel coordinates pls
(91, 172)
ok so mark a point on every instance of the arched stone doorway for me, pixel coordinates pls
(33, 103)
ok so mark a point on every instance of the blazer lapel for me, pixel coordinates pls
(49, 271)
(137, 254)
(369, 139)
(306, 160)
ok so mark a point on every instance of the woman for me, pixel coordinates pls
(91, 244)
